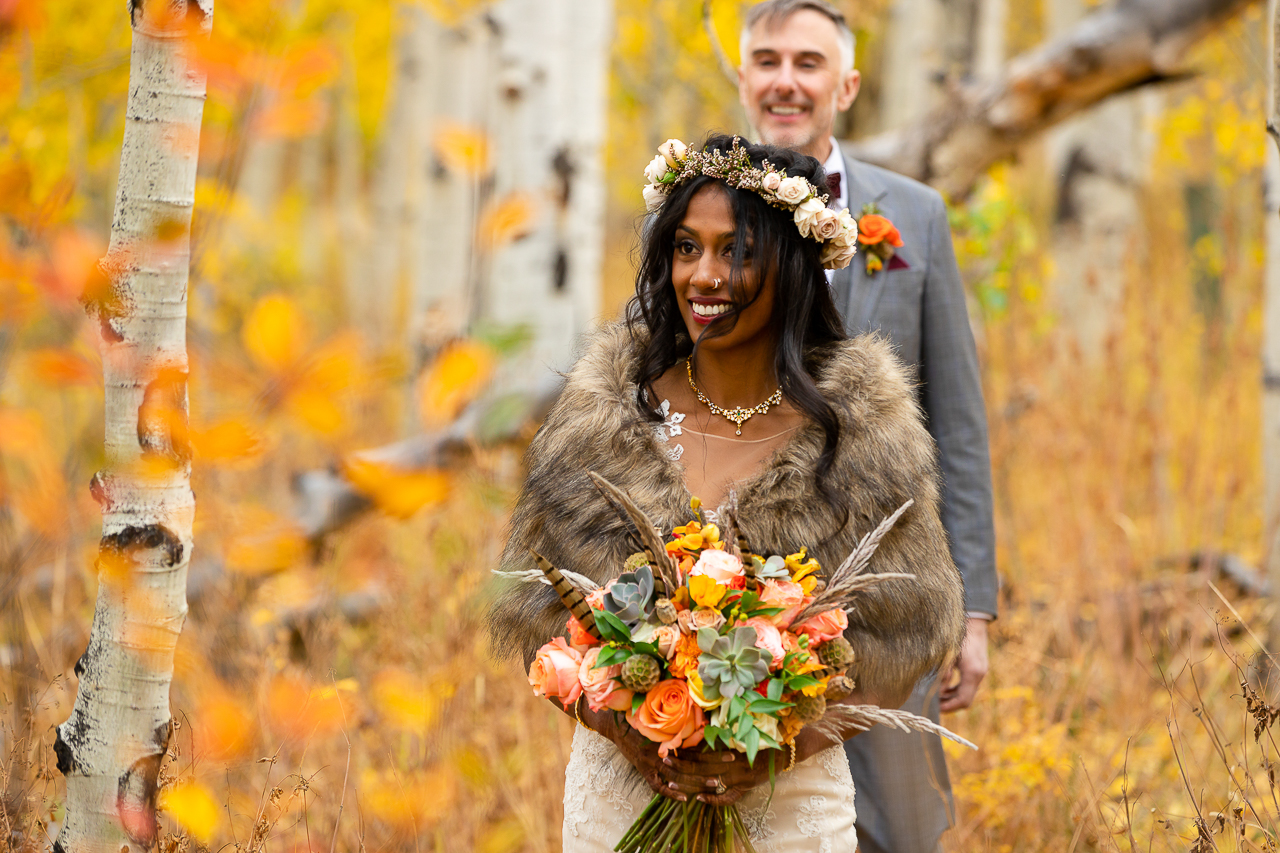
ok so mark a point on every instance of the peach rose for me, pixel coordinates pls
(596, 599)
(785, 594)
(669, 717)
(693, 621)
(873, 228)
(665, 638)
(656, 170)
(827, 625)
(719, 566)
(837, 257)
(600, 685)
(555, 672)
(673, 151)
(806, 216)
(768, 639)
(771, 181)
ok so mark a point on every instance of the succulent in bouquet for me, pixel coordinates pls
(699, 642)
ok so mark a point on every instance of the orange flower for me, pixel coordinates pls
(554, 672)
(578, 636)
(684, 658)
(874, 228)
(669, 717)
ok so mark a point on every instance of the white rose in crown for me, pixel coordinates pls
(827, 225)
(656, 169)
(836, 256)
(792, 190)
(653, 197)
(673, 151)
(806, 216)
(771, 181)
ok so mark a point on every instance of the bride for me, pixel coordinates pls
(732, 373)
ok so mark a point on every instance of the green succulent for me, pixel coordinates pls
(775, 567)
(630, 598)
(730, 664)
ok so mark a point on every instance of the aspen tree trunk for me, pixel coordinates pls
(111, 748)
(1271, 329)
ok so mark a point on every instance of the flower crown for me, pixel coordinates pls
(676, 164)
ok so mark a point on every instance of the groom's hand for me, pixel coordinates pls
(960, 681)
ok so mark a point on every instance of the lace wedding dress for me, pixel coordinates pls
(811, 809)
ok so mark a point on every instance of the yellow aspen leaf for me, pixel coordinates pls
(405, 700)
(291, 119)
(298, 710)
(62, 367)
(507, 219)
(317, 410)
(453, 12)
(397, 492)
(462, 148)
(225, 441)
(453, 380)
(273, 333)
(191, 805)
(503, 838)
(416, 801)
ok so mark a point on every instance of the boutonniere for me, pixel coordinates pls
(879, 238)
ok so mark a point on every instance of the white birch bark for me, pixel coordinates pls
(111, 747)
(913, 60)
(1271, 326)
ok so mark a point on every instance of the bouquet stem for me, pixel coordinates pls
(666, 826)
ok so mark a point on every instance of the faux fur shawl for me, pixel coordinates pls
(900, 630)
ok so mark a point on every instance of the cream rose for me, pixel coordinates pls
(827, 225)
(665, 638)
(693, 621)
(836, 256)
(653, 197)
(806, 216)
(720, 566)
(673, 151)
(793, 190)
(771, 181)
(600, 685)
(656, 169)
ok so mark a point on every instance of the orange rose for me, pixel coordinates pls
(579, 638)
(874, 228)
(555, 672)
(827, 625)
(669, 717)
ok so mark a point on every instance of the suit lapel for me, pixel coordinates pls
(864, 291)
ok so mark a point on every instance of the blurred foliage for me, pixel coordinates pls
(340, 691)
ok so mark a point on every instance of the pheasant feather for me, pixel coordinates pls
(569, 595)
(648, 539)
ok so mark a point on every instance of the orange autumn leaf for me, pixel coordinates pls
(462, 148)
(415, 801)
(63, 367)
(508, 219)
(226, 441)
(221, 728)
(453, 380)
(397, 492)
(261, 542)
(300, 710)
(406, 701)
(273, 333)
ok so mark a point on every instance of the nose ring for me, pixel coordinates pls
(715, 284)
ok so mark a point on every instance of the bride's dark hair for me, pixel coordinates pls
(803, 313)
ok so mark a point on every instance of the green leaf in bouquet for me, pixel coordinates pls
(612, 655)
(637, 699)
(800, 682)
(713, 735)
(746, 723)
(611, 627)
(761, 705)
(775, 688)
(767, 739)
(650, 649)
(737, 705)
(764, 611)
(752, 742)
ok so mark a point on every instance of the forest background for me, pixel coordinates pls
(331, 689)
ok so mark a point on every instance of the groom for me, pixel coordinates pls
(796, 75)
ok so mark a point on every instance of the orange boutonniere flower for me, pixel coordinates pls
(879, 238)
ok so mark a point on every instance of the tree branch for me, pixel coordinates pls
(722, 58)
(1130, 44)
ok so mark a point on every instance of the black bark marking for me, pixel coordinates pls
(80, 668)
(563, 167)
(560, 271)
(162, 418)
(149, 537)
(71, 736)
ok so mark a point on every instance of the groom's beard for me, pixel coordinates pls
(800, 137)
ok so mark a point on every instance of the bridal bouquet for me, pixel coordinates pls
(699, 641)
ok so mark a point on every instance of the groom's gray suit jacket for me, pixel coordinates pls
(903, 792)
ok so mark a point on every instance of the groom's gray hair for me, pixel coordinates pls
(774, 12)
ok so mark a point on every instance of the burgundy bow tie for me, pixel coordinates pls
(833, 186)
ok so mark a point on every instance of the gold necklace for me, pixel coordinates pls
(738, 416)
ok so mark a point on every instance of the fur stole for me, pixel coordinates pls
(900, 631)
